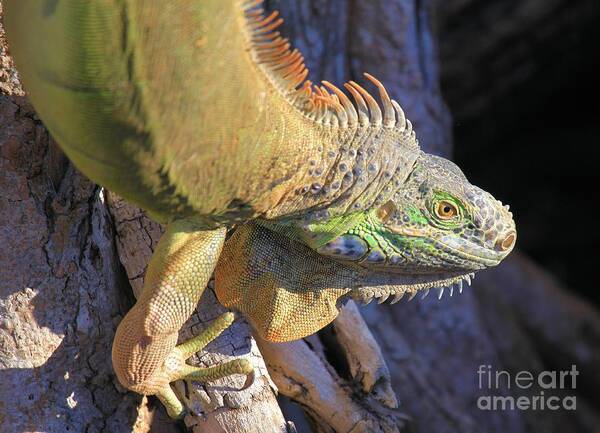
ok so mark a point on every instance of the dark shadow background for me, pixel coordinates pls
(521, 79)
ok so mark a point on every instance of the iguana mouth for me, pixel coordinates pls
(395, 293)
(472, 252)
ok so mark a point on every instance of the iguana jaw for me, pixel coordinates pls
(376, 287)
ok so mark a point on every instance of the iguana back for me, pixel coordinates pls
(183, 107)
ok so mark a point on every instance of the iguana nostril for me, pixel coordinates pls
(508, 242)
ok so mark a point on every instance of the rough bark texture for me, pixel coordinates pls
(67, 264)
(59, 285)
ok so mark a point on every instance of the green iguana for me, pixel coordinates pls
(200, 112)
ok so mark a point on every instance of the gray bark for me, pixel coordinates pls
(60, 282)
(67, 265)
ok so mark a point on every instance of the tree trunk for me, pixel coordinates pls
(71, 253)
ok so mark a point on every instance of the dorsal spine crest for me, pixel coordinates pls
(326, 104)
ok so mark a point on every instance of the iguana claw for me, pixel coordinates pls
(180, 370)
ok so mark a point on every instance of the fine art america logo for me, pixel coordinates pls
(546, 390)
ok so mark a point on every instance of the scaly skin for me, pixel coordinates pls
(200, 113)
(435, 232)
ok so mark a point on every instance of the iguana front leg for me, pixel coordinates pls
(145, 354)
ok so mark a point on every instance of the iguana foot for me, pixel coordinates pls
(146, 357)
(178, 369)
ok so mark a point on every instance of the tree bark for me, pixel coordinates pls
(59, 285)
(71, 254)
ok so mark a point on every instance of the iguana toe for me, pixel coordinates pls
(176, 368)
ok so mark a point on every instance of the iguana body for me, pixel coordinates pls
(199, 112)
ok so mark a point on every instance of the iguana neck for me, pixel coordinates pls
(348, 170)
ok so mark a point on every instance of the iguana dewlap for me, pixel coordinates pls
(200, 113)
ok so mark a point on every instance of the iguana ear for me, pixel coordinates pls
(285, 289)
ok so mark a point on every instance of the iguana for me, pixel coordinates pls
(201, 113)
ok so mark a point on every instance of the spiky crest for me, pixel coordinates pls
(285, 69)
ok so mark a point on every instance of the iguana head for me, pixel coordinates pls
(435, 231)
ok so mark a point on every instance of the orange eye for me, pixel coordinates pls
(385, 212)
(446, 210)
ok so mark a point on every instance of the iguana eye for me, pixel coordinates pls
(446, 210)
(386, 211)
